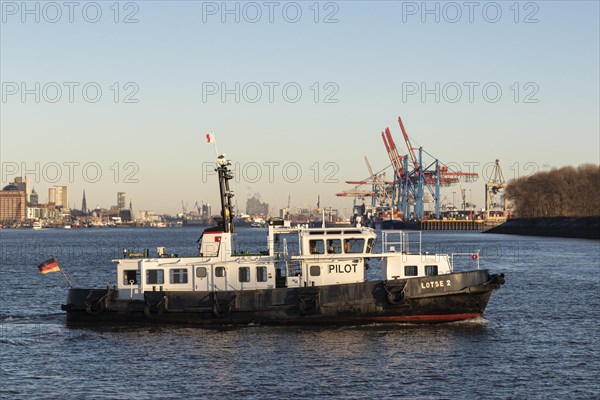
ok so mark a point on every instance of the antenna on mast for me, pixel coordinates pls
(225, 176)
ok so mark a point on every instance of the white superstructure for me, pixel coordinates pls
(294, 257)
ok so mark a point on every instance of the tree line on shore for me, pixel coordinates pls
(564, 192)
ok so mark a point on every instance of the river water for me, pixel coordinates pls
(539, 337)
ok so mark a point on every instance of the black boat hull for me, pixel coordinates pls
(431, 299)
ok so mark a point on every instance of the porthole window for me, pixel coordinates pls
(370, 245)
(431, 270)
(354, 245)
(244, 274)
(220, 272)
(155, 277)
(315, 270)
(261, 274)
(316, 246)
(410, 270)
(201, 272)
(334, 246)
(178, 275)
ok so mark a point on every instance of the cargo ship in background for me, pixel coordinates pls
(200, 215)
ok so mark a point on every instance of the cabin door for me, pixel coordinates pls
(219, 278)
(314, 274)
(201, 278)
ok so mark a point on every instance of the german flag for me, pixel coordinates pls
(48, 266)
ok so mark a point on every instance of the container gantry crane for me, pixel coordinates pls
(412, 181)
(495, 184)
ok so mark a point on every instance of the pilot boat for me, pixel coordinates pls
(306, 276)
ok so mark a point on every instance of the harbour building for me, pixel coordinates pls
(255, 207)
(206, 211)
(23, 184)
(34, 198)
(84, 208)
(58, 195)
(12, 204)
(120, 200)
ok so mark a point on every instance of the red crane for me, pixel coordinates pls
(446, 177)
(411, 151)
(395, 158)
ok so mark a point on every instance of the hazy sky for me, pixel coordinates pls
(109, 97)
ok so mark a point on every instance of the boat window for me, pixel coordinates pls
(220, 272)
(261, 274)
(201, 272)
(370, 245)
(315, 270)
(334, 246)
(431, 270)
(354, 245)
(131, 276)
(155, 277)
(244, 274)
(410, 270)
(316, 246)
(178, 275)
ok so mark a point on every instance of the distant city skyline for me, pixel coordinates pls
(123, 99)
(451, 195)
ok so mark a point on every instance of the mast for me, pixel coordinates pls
(226, 194)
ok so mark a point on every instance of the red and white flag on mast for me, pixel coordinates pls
(210, 138)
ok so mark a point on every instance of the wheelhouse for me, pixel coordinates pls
(320, 256)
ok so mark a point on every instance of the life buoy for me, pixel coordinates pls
(154, 311)
(394, 293)
(308, 306)
(395, 298)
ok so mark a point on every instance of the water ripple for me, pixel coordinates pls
(538, 338)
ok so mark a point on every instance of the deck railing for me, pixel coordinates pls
(394, 241)
(472, 256)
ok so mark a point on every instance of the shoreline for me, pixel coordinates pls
(567, 227)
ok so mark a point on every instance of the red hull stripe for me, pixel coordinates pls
(426, 318)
